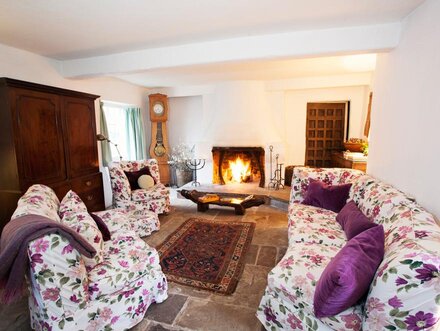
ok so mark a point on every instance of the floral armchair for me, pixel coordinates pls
(70, 293)
(156, 199)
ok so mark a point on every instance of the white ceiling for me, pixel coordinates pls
(68, 29)
(253, 70)
(138, 40)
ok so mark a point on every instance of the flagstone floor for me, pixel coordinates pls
(191, 309)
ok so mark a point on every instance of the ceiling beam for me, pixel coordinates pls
(313, 43)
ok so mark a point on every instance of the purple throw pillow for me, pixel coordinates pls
(133, 177)
(353, 221)
(348, 276)
(101, 226)
(331, 197)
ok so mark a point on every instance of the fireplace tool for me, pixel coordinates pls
(276, 180)
(194, 165)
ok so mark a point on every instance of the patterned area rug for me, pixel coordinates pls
(206, 254)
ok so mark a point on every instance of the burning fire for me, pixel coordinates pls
(240, 170)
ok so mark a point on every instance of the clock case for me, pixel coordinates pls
(159, 135)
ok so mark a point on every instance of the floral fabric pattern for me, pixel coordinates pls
(127, 259)
(141, 221)
(84, 224)
(330, 176)
(155, 199)
(71, 203)
(38, 200)
(64, 291)
(405, 292)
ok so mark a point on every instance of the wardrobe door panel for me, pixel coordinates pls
(38, 137)
(80, 136)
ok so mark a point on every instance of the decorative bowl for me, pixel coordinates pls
(353, 147)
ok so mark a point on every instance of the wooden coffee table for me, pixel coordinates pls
(239, 203)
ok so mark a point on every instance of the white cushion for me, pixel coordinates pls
(145, 182)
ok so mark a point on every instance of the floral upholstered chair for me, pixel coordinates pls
(145, 204)
(69, 291)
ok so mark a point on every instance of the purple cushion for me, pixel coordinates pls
(133, 177)
(102, 227)
(348, 276)
(353, 221)
(331, 197)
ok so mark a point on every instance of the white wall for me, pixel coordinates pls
(404, 144)
(23, 65)
(246, 113)
(295, 115)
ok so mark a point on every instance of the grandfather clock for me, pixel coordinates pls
(159, 148)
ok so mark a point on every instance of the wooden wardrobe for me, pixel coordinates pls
(47, 136)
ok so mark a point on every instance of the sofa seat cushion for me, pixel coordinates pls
(127, 259)
(158, 191)
(295, 276)
(314, 225)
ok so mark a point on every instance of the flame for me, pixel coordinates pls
(239, 170)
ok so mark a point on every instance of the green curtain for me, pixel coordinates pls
(106, 152)
(135, 133)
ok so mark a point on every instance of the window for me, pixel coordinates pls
(117, 126)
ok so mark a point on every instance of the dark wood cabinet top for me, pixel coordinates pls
(44, 88)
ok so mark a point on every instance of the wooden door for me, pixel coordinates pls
(325, 130)
(80, 136)
(38, 137)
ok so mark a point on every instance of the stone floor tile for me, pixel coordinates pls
(267, 256)
(142, 326)
(212, 316)
(159, 327)
(249, 290)
(270, 237)
(280, 254)
(251, 255)
(189, 291)
(166, 311)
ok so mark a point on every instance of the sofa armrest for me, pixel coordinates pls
(120, 185)
(117, 220)
(58, 277)
(154, 169)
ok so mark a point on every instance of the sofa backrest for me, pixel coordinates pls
(139, 164)
(331, 176)
(38, 200)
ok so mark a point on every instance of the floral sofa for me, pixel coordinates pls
(70, 292)
(405, 292)
(156, 199)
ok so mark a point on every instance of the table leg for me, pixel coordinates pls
(202, 207)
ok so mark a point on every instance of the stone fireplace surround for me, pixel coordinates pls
(221, 154)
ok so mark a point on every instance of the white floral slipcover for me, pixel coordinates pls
(113, 295)
(155, 199)
(405, 292)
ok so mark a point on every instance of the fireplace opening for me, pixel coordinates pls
(238, 165)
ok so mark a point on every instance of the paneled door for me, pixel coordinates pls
(325, 129)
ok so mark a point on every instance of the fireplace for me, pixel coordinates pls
(238, 165)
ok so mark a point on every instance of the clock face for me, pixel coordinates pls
(158, 108)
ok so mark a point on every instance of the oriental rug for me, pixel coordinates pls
(206, 254)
